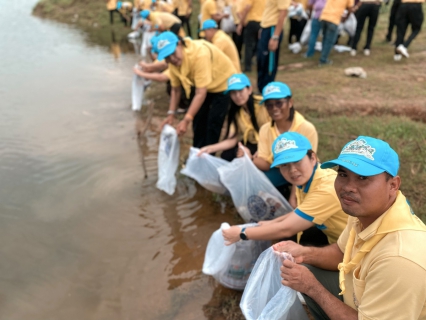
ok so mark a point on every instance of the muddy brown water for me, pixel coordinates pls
(84, 233)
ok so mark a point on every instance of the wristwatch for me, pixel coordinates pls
(243, 235)
(274, 37)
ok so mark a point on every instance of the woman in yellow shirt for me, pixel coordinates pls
(245, 117)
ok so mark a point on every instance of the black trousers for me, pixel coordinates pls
(370, 11)
(185, 22)
(296, 29)
(408, 13)
(251, 37)
(238, 40)
(392, 16)
(208, 122)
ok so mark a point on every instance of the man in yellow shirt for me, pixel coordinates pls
(202, 70)
(268, 48)
(380, 256)
(183, 12)
(210, 9)
(330, 18)
(163, 21)
(250, 18)
(221, 40)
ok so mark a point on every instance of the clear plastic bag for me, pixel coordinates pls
(168, 159)
(203, 169)
(306, 33)
(227, 24)
(253, 194)
(264, 297)
(231, 265)
(138, 90)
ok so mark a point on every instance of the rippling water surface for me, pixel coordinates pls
(84, 232)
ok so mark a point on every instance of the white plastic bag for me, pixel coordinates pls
(264, 297)
(168, 159)
(137, 92)
(228, 24)
(231, 265)
(250, 190)
(146, 40)
(306, 33)
(203, 169)
(349, 26)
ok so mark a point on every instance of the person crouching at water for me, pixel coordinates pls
(317, 203)
(203, 70)
(278, 101)
(245, 117)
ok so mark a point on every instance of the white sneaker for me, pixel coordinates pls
(366, 52)
(402, 50)
(397, 57)
(353, 53)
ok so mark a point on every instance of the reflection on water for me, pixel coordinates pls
(85, 234)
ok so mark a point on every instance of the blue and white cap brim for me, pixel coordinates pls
(288, 157)
(169, 50)
(357, 166)
(275, 95)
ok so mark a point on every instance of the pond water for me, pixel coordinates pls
(85, 234)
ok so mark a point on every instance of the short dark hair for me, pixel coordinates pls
(310, 153)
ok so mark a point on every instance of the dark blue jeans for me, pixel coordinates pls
(330, 32)
(263, 75)
(315, 29)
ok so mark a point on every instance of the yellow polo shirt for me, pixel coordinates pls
(334, 9)
(227, 46)
(111, 5)
(256, 11)
(164, 6)
(203, 66)
(208, 9)
(413, 1)
(317, 202)
(272, 11)
(182, 7)
(390, 280)
(246, 131)
(236, 7)
(268, 134)
(163, 19)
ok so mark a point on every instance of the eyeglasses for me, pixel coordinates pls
(279, 104)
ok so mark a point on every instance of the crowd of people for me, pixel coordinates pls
(360, 254)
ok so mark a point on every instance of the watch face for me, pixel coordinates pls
(243, 236)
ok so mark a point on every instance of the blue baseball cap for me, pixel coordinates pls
(289, 147)
(166, 44)
(119, 5)
(154, 41)
(144, 14)
(275, 90)
(367, 156)
(209, 24)
(237, 81)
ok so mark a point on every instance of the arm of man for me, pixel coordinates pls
(243, 14)
(197, 101)
(174, 100)
(289, 226)
(299, 278)
(273, 44)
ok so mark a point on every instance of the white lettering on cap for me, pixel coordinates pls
(234, 80)
(271, 89)
(284, 144)
(162, 43)
(359, 147)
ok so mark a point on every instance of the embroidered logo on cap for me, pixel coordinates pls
(359, 147)
(271, 89)
(284, 144)
(234, 80)
(162, 43)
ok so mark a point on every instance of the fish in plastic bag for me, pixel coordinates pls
(168, 159)
(203, 169)
(264, 297)
(247, 184)
(231, 265)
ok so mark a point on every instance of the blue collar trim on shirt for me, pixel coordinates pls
(308, 184)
